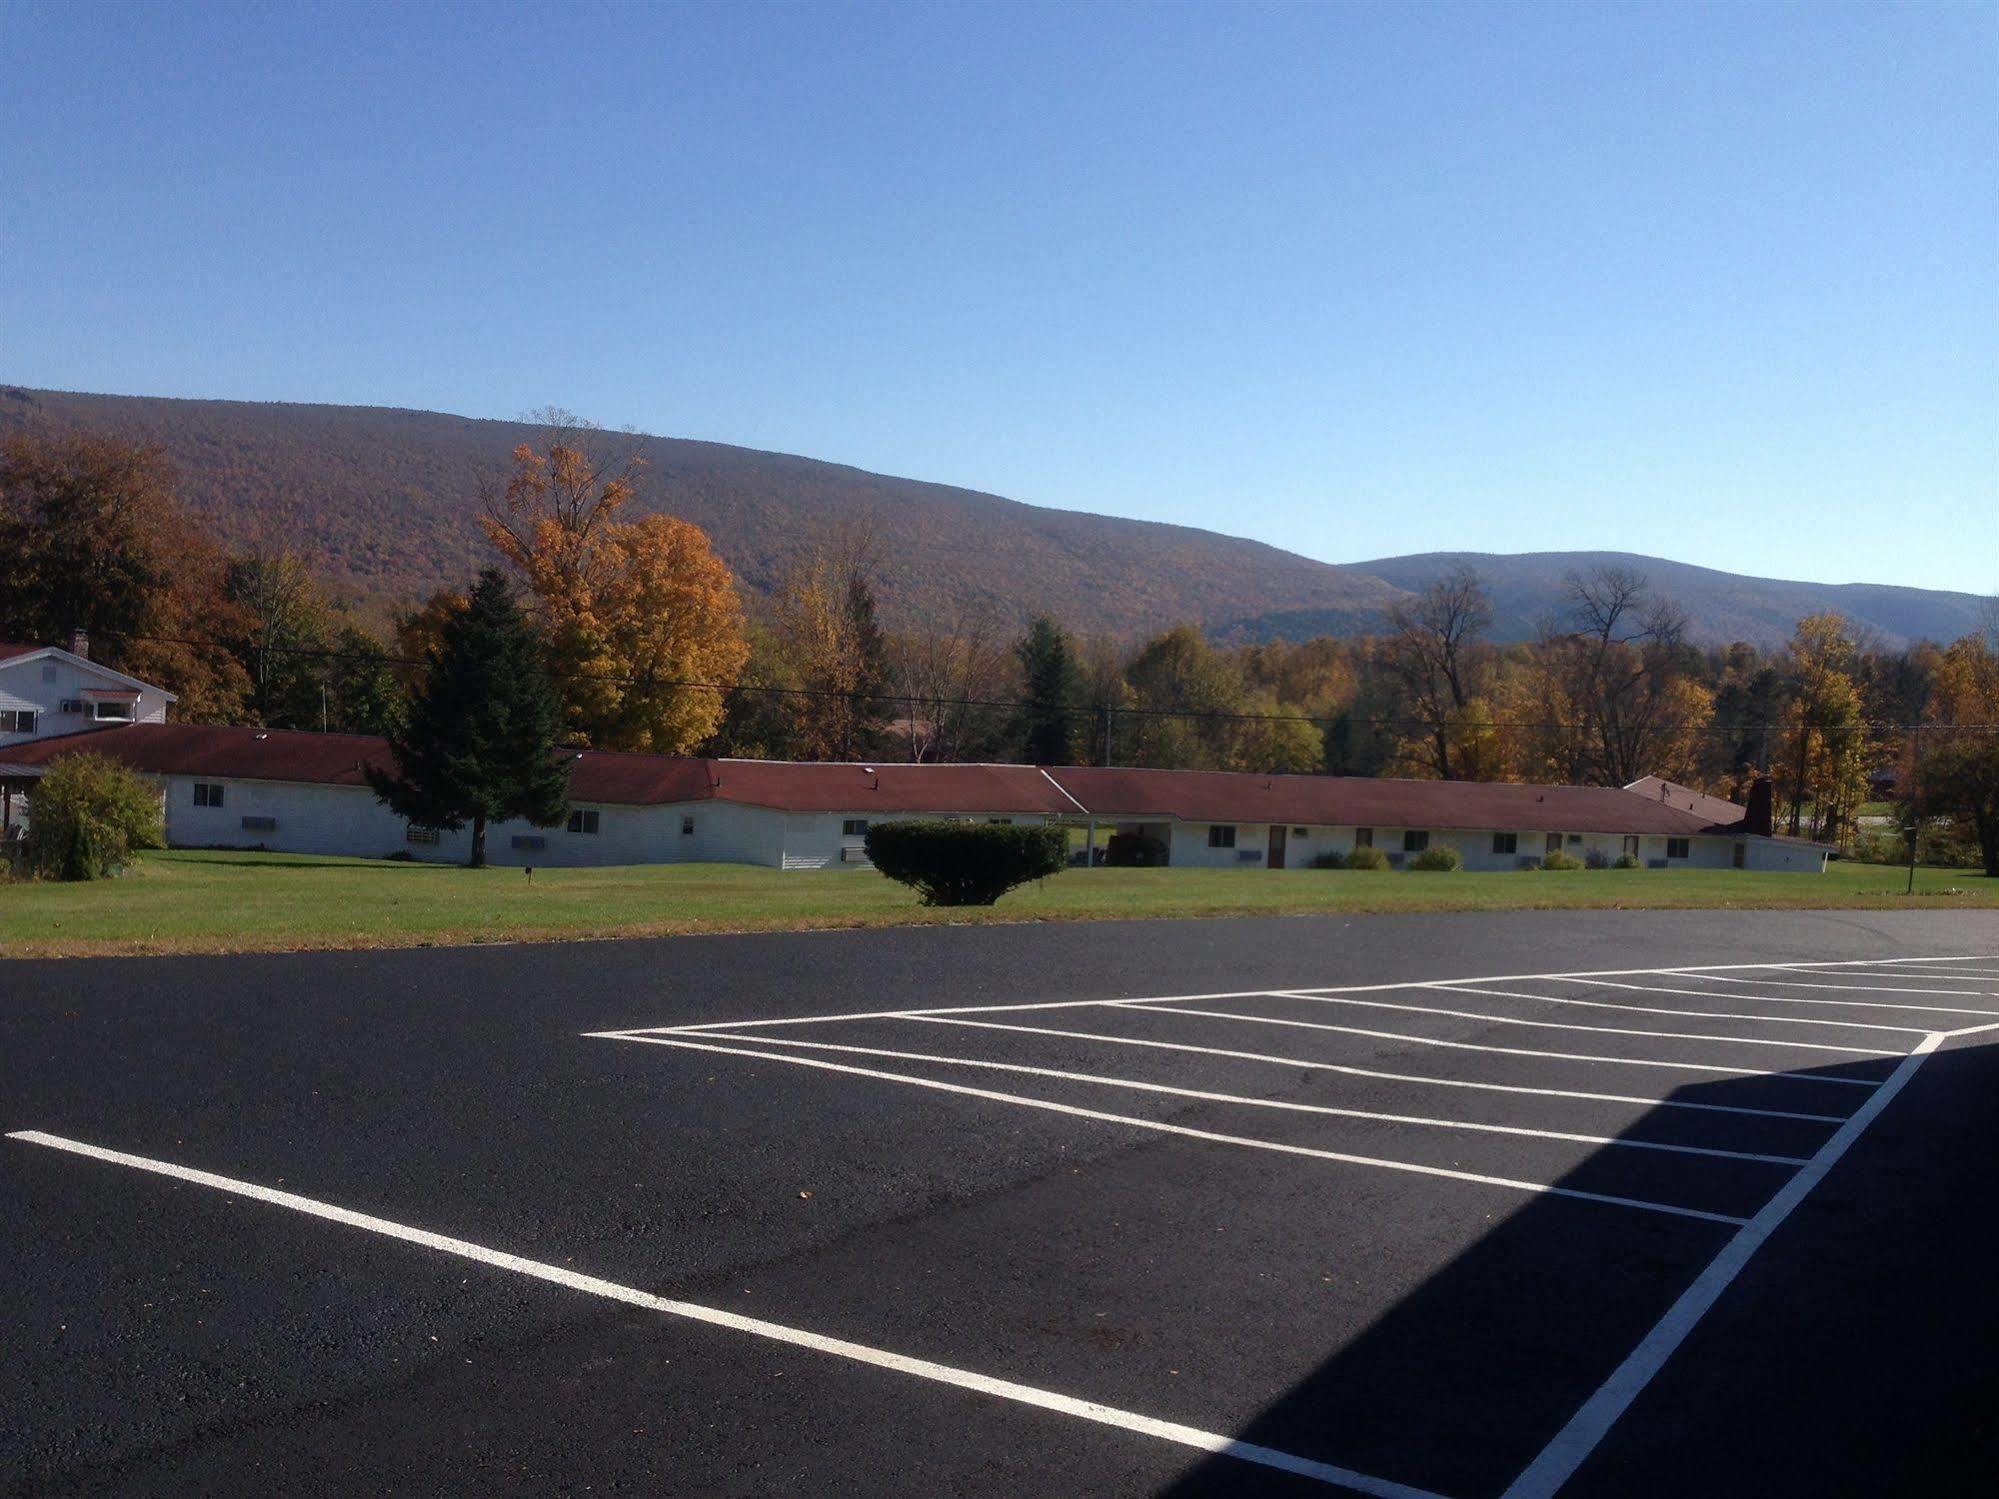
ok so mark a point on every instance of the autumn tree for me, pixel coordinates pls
(945, 672)
(1441, 663)
(479, 745)
(826, 617)
(1823, 760)
(1613, 685)
(1183, 690)
(641, 618)
(95, 540)
(287, 626)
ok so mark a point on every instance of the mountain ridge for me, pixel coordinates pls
(385, 499)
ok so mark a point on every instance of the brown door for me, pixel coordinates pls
(1277, 834)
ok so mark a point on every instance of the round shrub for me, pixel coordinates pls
(1332, 858)
(1134, 851)
(1628, 861)
(1556, 859)
(965, 864)
(1438, 857)
(1367, 857)
(87, 815)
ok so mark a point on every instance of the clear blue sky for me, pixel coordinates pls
(1720, 284)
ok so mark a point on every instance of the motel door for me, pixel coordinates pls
(1277, 833)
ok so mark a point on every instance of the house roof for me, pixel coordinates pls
(1354, 801)
(890, 788)
(1715, 809)
(18, 652)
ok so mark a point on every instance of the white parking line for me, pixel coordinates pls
(1509, 1051)
(1906, 973)
(1274, 1103)
(1873, 988)
(1394, 1077)
(777, 1332)
(1162, 1127)
(1563, 1025)
(1618, 1004)
(1559, 1460)
(1785, 999)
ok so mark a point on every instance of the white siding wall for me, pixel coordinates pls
(42, 685)
(1189, 847)
(1774, 853)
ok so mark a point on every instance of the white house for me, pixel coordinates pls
(46, 690)
(307, 793)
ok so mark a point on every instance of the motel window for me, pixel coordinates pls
(424, 837)
(1301, 832)
(687, 827)
(116, 711)
(1415, 841)
(1554, 843)
(1002, 821)
(1222, 835)
(17, 720)
(1678, 848)
(1363, 837)
(854, 827)
(583, 820)
(1505, 843)
(207, 794)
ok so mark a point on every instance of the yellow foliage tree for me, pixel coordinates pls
(642, 619)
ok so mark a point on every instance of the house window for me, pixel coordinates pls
(1554, 843)
(72, 705)
(1415, 841)
(17, 720)
(120, 710)
(1678, 848)
(1505, 843)
(532, 842)
(583, 820)
(687, 827)
(48, 671)
(1222, 835)
(854, 827)
(1003, 821)
(423, 836)
(1631, 844)
(1363, 837)
(1301, 832)
(207, 794)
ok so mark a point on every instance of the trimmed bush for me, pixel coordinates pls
(87, 815)
(965, 864)
(1438, 857)
(1332, 858)
(1556, 859)
(1628, 861)
(1134, 851)
(1367, 857)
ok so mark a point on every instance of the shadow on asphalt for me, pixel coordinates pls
(1854, 1355)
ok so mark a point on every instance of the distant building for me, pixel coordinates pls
(306, 793)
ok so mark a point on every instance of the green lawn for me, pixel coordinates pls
(240, 902)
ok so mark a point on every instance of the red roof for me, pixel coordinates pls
(890, 788)
(1357, 801)
(9, 652)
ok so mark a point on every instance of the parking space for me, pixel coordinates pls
(1423, 1235)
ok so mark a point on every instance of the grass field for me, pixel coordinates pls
(245, 902)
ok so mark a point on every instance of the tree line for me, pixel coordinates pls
(648, 643)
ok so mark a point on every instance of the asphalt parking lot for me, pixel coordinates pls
(1472, 1206)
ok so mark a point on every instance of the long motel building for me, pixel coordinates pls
(299, 792)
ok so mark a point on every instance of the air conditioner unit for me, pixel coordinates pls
(853, 853)
(1249, 856)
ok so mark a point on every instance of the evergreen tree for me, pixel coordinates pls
(1052, 683)
(479, 745)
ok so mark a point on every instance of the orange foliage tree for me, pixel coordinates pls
(642, 620)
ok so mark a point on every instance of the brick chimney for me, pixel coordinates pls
(1762, 814)
(79, 644)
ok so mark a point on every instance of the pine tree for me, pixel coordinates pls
(479, 745)
(1053, 685)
